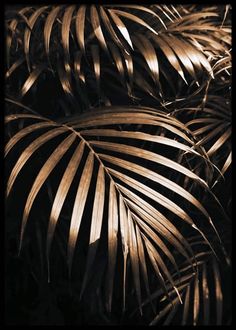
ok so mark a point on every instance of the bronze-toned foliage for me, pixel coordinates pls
(118, 128)
(135, 47)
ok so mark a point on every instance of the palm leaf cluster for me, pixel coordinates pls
(137, 49)
(202, 299)
(117, 133)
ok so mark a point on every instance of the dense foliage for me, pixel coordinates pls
(118, 164)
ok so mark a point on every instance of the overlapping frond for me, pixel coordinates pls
(130, 132)
(209, 120)
(214, 130)
(105, 146)
(202, 295)
(138, 49)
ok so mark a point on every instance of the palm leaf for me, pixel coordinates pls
(27, 34)
(31, 80)
(214, 132)
(133, 215)
(206, 301)
(48, 27)
(62, 192)
(12, 25)
(112, 241)
(124, 188)
(175, 39)
(80, 199)
(202, 294)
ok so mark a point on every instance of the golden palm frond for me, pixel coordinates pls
(210, 123)
(83, 44)
(203, 293)
(118, 127)
(214, 128)
(108, 152)
(198, 294)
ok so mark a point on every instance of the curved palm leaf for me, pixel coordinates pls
(204, 294)
(166, 37)
(210, 123)
(193, 289)
(103, 150)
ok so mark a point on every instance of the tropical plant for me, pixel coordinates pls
(118, 128)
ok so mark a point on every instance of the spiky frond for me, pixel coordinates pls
(127, 49)
(204, 295)
(118, 136)
(106, 147)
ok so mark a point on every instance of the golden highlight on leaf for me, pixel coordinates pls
(118, 148)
